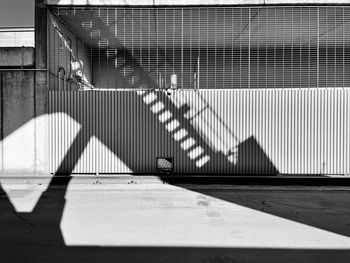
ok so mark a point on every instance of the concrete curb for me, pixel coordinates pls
(190, 182)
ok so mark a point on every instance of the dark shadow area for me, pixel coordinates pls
(42, 240)
(136, 135)
(40, 232)
(249, 152)
(139, 136)
(125, 125)
(327, 210)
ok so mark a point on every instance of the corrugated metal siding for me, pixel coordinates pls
(290, 131)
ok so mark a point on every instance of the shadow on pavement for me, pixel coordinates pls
(37, 237)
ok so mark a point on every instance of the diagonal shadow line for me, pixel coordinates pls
(220, 159)
(74, 152)
(144, 75)
(72, 157)
(55, 249)
(44, 220)
(68, 163)
(46, 200)
(52, 202)
(51, 207)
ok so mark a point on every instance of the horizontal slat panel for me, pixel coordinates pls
(211, 47)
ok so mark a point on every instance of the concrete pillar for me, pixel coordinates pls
(18, 122)
(17, 111)
(41, 88)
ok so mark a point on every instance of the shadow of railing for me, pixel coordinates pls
(149, 132)
(45, 241)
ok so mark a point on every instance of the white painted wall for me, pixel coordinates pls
(17, 37)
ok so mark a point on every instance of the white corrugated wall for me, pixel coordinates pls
(287, 131)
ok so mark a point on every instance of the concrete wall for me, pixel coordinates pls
(17, 122)
(23, 146)
(192, 2)
(16, 57)
(41, 87)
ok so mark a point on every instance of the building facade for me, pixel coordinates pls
(231, 87)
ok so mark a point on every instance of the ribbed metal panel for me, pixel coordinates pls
(290, 131)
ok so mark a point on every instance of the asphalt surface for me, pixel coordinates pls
(138, 220)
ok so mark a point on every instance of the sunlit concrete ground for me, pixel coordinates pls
(133, 220)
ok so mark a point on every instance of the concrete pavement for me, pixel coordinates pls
(145, 219)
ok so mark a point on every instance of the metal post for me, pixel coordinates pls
(249, 49)
(318, 46)
(198, 67)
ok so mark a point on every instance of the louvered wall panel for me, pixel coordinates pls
(291, 131)
(214, 47)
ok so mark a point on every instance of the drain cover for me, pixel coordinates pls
(165, 165)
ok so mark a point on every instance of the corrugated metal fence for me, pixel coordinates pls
(289, 131)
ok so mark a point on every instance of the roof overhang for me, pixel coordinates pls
(191, 2)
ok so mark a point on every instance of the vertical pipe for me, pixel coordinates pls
(132, 47)
(199, 43)
(207, 62)
(116, 48)
(240, 51)
(174, 41)
(232, 28)
(1, 122)
(343, 46)
(198, 67)
(249, 20)
(59, 81)
(156, 25)
(182, 47)
(190, 40)
(224, 49)
(149, 43)
(215, 53)
(165, 45)
(318, 47)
